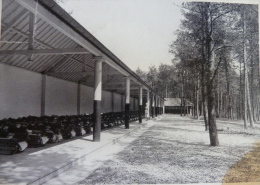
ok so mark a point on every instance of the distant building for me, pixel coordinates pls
(174, 106)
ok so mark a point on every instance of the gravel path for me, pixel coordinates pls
(176, 150)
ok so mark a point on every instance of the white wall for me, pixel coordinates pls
(86, 99)
(106, 103)
(20, 95)
(117, 103)
(20, 92)
(61, 97)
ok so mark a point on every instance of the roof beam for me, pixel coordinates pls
(15, 20)
(85, 73)
(64, 51)
(80, 62)
(106, 87)
(68, 31)
(58, 64)
(70, 73)
(31, 33)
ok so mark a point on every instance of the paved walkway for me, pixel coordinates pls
(38, 165)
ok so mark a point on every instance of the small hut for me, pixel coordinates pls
(177, 106)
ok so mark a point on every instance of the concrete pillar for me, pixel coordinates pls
(156, 102)
(97, 98)
(43, 93)
(159, 106)
(148, 104)
(153, 112)
(127, 102)
(163, 107)
(154, 105)
(140, 103)
(78, 99)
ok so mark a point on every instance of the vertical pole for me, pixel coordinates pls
(160, 111)
(97, 99)
(78, 99)
(163, 107)
(43, 94)
(156, 105)
(140, 103)
(153, 106)
(127, 102)
(152, 110)
(148, 104)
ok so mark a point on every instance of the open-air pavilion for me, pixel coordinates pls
(51, 65)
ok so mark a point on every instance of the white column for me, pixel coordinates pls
(127, 90)
(97, 99)
(98, 80)
(163, 106)
(148, 103)
(140, 95)
(140, 103)
(127, 102)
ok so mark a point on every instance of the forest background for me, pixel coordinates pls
(215, 65)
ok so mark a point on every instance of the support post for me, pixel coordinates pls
(158, 106)
(97, 99)
(163, 107)
(152, 108)
(140, 103)
(160, 110)
(78, 99)
(127, 102)
(148, 104)
(43, 92)
(155, 102)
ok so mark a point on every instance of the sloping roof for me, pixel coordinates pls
(40, 36)
(176, 102)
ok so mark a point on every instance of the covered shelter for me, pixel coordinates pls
(177, 106)
(51, 65)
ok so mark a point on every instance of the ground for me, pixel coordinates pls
(176, 151)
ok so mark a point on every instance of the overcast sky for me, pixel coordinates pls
(138, 32)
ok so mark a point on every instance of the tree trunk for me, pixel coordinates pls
(198, 90)
(244, 60)
(249, 101)
(212, 115)
(228, 91)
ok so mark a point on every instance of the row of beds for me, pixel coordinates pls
(18, 134)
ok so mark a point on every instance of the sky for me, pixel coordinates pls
(138, 32)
